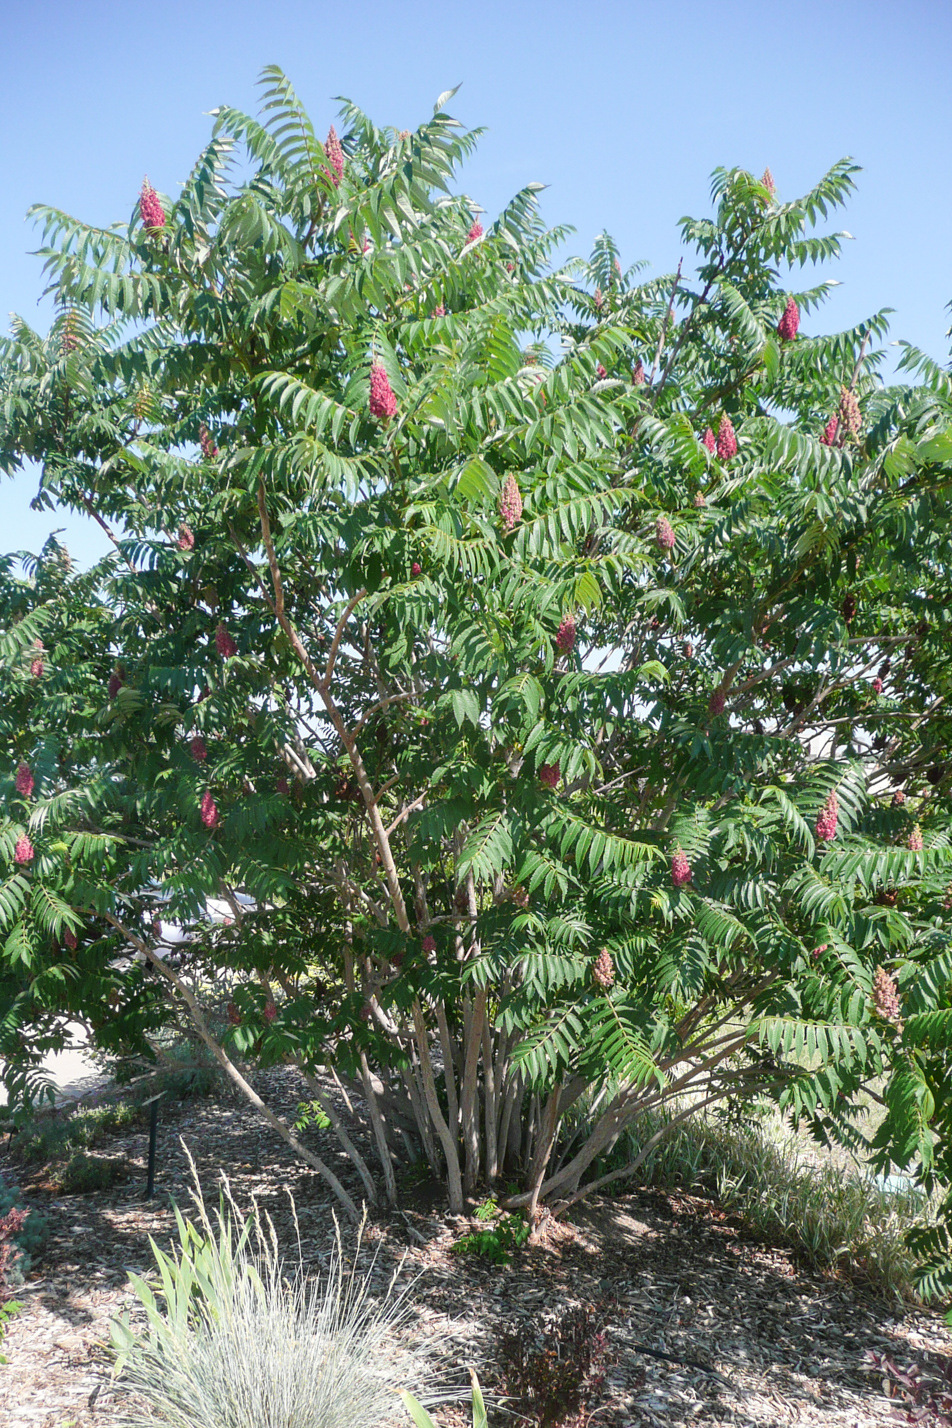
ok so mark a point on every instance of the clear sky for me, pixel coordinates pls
(622, 108)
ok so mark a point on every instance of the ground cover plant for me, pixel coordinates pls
(548, 668)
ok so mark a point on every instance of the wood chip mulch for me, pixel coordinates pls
(706, 1325)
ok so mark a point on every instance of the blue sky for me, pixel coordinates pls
(623, 109)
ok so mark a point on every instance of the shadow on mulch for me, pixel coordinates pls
(705, 1324)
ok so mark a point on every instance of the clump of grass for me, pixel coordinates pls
(54, 1136)
(235, 1339)
(834, 1218)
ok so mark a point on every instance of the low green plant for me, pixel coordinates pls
(233, 1339)
(26, 1236)
(84, 1173)
(423, 1420)
(503, 1235)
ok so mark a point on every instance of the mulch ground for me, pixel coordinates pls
(705, 1324)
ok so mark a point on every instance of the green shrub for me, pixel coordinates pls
(84, 1173)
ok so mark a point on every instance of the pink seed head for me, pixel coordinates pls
(914, 842)
(428, 944)
(475, 232)
(726, 440)
(829, 431)
(24, 781)
(23, 852)
(601, 371)
(416, 568)
(687, 649)
(198, 749)
(603, 971)
(664, 533)
(717, 703)
(510, 503)
(234, 1015)
(886, 996)
(150, 209)
(680, 869)
(335, 155)
(709, 440)
(438, 311)
(209, 810)
(638, 374)
(69, 938)
(826, 820)
(224, 643)
(565, 635)
(383, 404)
(209, 449)
(549, 774)
(817, 952)
(789, 324)
(116, 682)
(36, 668)
(877, 685)
(270, 1011)
(767, 180)
(700, 499)
(850, 413)
(898, 798)
(186, 540)
(598, 299)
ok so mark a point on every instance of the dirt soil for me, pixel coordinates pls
(705, 1324)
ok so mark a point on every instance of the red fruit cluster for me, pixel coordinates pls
(565, 635)
(198, 749)
(428, 944)
(601, 371)
(687, 649)
(270, 1011)
(898, 798)
(664, 533)
(24, 781)
(717, 702)
(234, 1015)
(36, 664)
(767, 179)
(829, 431)
(598, 299)
(69, 939)
(186, 540)
(886, 997)
(877, 685)
(604, 969)
(726, 440)
(510, 503)
(817, 952)
(416, 568)
(549, 774)
(789, 324)
(438, 311)
(150, 209)
(116, 682)
(849, 412)
(709, 440)
(224, 643)
(335, 154)
(23, 852)
(826, 820)
(681, 873)
(700, 499)
(383, 404)
(209, 449)
(475, 232)
(914, 842)
(638, 374)
(209, 810)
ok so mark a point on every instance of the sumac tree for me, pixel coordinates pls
(549, 668)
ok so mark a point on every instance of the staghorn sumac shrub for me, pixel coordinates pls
(400, 525)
